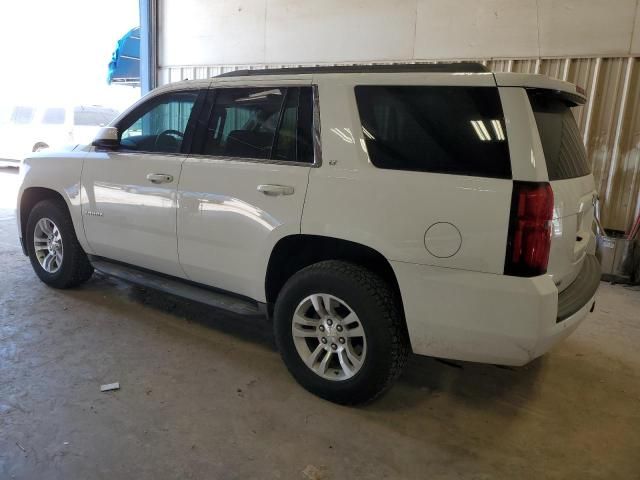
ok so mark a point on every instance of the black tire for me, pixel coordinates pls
(378, 309)
(75, 268)
(39, 146)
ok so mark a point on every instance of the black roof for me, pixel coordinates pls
(460, 67)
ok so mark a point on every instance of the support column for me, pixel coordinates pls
(148, 45)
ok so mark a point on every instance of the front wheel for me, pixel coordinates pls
(53, 248)
(340, 332)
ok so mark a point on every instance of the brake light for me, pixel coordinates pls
(529, 240)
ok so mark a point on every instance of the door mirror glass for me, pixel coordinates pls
(107, 137)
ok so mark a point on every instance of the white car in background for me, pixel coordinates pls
(25, 129)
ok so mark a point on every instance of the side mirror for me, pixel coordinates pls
(107, 137)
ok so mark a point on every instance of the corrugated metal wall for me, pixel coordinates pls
(610, 121)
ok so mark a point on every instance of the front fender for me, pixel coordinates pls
(52, 174)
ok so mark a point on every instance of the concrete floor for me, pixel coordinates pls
(205, 396)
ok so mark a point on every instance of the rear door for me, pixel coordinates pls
(244, 186)
(572, 183)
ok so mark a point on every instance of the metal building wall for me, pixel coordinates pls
(610, 121)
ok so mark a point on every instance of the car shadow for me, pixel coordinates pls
(256, 329)
(475, 384)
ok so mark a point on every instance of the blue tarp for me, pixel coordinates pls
(124, 67)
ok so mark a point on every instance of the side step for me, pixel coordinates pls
(177, 287)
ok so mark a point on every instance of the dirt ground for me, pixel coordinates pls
(205, 396)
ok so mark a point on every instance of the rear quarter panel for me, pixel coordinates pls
(390, 211)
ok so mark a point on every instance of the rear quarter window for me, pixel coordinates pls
(453, 130)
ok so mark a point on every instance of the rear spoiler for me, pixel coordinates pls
(568, 91)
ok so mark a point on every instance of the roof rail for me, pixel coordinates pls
(460, 67)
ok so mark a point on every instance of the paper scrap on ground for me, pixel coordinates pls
(110, 386)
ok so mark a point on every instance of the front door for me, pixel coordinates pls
(129, 195)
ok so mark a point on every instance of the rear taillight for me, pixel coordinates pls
(529, 240)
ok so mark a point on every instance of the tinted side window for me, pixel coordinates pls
(564, 151)
(261, 123)
(455, 130)
(284, 147)
(22, 115)
(294, 140)
(244, 122)
(305, 126)
(87, 116)
(160, 124)
(54, 116)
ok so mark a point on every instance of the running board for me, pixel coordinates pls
(177, 287)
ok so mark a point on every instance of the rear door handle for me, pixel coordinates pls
(274, 190)
(159, 178)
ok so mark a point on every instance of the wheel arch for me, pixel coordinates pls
(29, 198)
(38, 145)
(295, 252)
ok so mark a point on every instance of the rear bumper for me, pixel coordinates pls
(561, 330)
(482, 317)
(575, 296)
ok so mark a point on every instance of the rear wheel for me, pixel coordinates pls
(53, 248)
(340, 332)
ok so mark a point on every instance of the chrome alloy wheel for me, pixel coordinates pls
(47, 244)
(329, 337)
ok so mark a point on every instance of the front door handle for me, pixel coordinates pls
(273, 190)
(159, 178)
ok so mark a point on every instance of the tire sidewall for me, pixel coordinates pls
(53, 211)
(373, 372)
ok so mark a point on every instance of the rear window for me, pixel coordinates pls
(53, 116)
(454, 130)
(564, 151)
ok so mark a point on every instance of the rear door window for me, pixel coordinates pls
(454, 130)
(564, 151)
(273, 123)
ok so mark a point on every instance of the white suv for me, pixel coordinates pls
(368, 211)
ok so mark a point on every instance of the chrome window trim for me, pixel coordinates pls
(137, 152)
(317, 144)
(255, 160)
